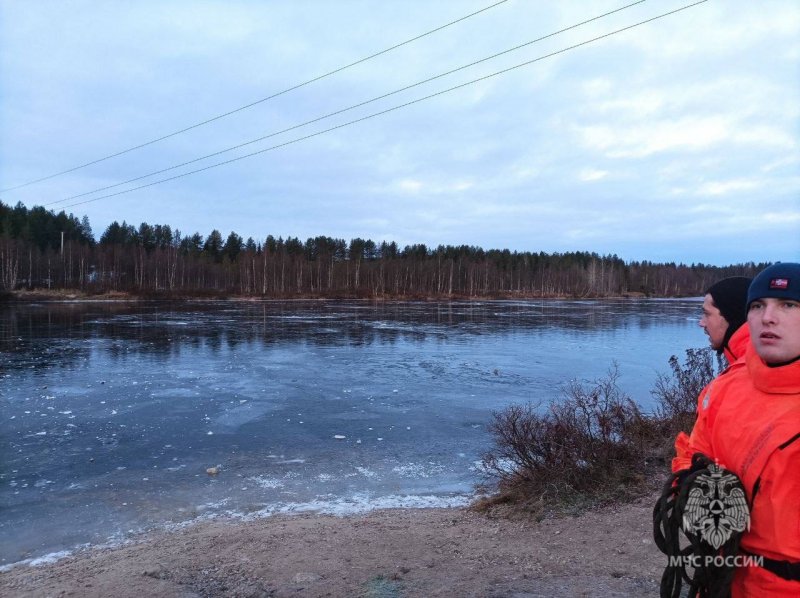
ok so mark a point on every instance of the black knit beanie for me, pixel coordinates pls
(730, 298)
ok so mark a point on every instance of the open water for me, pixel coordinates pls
(112, 413)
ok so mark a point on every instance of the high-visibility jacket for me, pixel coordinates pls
(734, 351)
(737, 344)
(752, 428)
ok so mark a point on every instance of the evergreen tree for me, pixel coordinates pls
(213, 246)
(233, 246)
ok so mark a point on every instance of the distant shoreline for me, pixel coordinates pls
(57, 295)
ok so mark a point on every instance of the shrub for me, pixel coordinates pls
(588, 445)
(594, 443)
(676, 394)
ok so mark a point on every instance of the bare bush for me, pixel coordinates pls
(586, 445)
(594, 443)
(676, 394)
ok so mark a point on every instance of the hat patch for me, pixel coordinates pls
(779, 284)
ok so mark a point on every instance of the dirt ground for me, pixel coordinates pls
(391, 553)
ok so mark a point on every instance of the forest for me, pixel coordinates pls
(40, 249)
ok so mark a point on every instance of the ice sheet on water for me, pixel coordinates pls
(213, 506)
(174, 393)
(266, 482)
(414, 330)
(305, 318)
(418, 470)
(160, 376)
(113, 541)
(39, 561)
(363, 503)
(367, 473)
(233, 417)
(50, 558)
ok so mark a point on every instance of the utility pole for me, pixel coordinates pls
(62, 242)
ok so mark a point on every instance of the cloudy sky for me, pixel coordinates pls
(676, 140)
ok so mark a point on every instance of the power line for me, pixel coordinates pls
(262, 100)
(337, 112)
(398, 107)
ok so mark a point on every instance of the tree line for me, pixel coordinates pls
(40, 249)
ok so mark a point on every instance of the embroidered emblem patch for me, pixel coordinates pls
(780, 284)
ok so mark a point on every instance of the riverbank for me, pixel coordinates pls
(35, 295)
(409, 552)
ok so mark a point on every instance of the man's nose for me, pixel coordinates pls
(769, 313)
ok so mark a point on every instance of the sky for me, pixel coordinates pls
(677, 140)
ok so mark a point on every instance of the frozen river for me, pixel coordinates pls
(112, 412)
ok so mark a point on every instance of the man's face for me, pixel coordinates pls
(713, 323)
(775, 328)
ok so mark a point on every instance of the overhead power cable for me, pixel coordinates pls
(337, 112)
(261, 101)
(398, 107)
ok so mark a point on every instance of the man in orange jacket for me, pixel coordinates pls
(724, 318)
(751, 427)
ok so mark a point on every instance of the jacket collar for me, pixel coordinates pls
(778, 380)
(737, 345)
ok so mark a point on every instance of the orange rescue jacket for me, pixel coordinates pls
(734, 350)
(752, 427)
